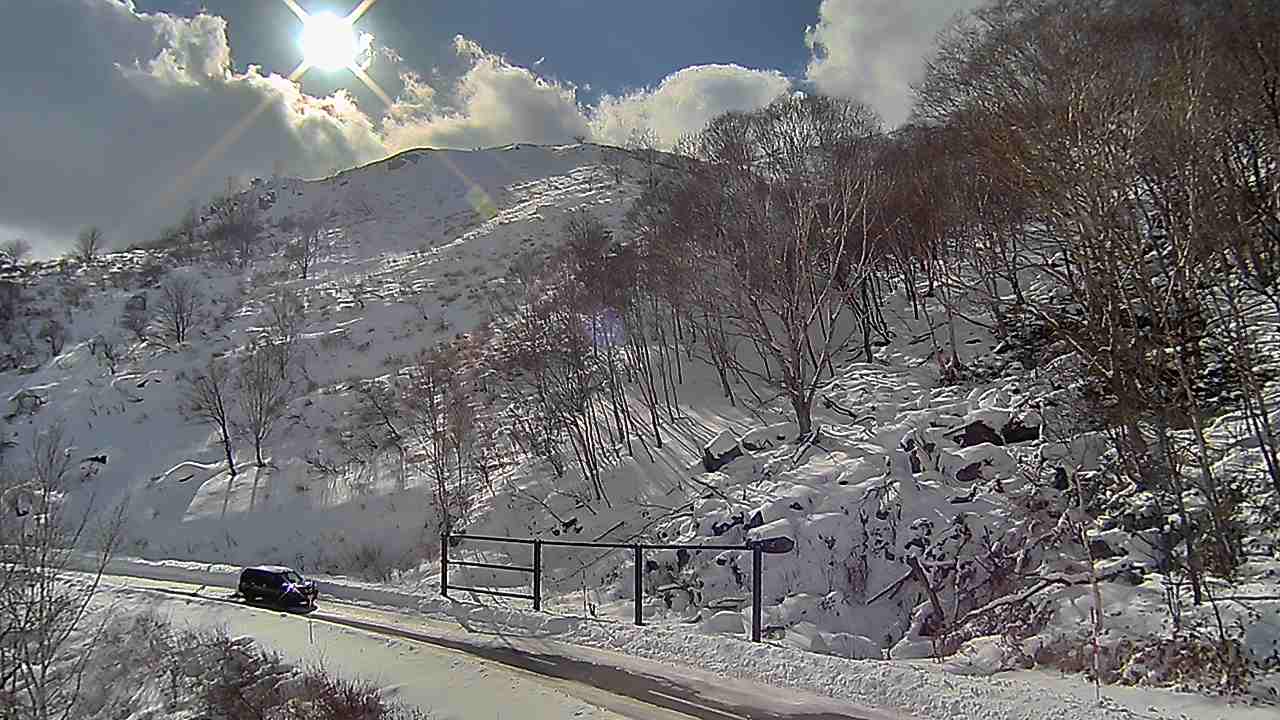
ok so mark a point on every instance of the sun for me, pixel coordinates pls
(329, 42)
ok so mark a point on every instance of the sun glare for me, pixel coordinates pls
(329, 42)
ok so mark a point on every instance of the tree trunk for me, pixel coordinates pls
(803, 407)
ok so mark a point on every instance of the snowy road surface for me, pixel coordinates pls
(449, 675)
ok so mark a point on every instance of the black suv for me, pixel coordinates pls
(278, 584)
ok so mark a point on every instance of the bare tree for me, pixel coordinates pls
(263, 389)
(776, 238)
(11, 303)
(176, 311)
(643, 141)
(208, 400)
(16, 250)
(44, 592)
(136, 320)
(1079, 118)
(426, 395)
(286, 317)
(234, 229)
(88, 244)
(304, 250)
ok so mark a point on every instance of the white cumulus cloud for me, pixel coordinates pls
(685, 101)
(874, 50)
(491, 103)
(136, 115)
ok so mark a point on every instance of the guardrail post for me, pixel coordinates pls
(537, 575)
(444, 564)
(639, 594)
(757, 602)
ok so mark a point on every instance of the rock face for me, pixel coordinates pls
(721, 451)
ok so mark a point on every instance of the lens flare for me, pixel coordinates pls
(329, 42)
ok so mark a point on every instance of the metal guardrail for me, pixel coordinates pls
(756, 548)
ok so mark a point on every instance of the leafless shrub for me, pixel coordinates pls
(108, 350)
(136, 320)
(180, 298)
(16, 251)
(286, 318)
(55, 334)
(304, 250)
(88, 245)
(207, 398)
(44, 597)
(263, 390)
(11, 305)
(234, 229)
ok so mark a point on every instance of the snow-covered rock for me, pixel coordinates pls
(768, 438)
(724, 622)
(721, 451)
(854, 647)
(987, 656)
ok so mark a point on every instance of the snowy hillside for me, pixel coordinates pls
(969, 483)
(410, 245)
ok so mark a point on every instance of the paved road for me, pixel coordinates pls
(726, 701)
(654, 691)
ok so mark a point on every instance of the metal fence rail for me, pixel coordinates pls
(756, 548)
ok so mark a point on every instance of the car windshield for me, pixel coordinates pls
(293, 577)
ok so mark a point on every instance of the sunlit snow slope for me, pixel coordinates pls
(411, 244)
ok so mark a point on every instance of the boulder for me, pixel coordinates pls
(987, 656)
(728, 603)
(725, 622)
(805, 636)
(556, 626)
(976, 433)
(721, 451)
(722, 527)
(969, 473)
(853, 647)
(773, 436)
(912, 648)
(1016, 431)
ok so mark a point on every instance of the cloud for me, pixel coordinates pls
(873, 50)
(115, 127)
(123, 119)
(490, 103)
(685, 101)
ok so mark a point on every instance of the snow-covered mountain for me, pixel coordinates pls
(410, 245)
(969, 479)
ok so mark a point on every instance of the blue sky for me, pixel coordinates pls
(604, 45)
(124, 113)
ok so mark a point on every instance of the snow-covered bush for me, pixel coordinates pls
(150, 669)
